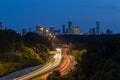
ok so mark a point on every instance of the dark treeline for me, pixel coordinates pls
(82, 40)
(17, 52)
(97, 57)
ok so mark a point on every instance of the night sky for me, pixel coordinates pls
(18, 14)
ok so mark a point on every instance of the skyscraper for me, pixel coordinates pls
(97, 27)
(24, 31)
(40, 30)
(0, 25)
(63, 29)
(37, 28)
(108, 32)
(70, 26)
(76, 30)
(93, 30)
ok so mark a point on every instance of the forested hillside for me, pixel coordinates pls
(17, 52)
(97, 57)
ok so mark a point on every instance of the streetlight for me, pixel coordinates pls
(47, 31)
(54, 36)
(41, 28)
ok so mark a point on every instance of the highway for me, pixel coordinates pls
(46, 68)
(65, 66)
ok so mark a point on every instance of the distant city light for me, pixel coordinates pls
(41, 28)
(47, 31)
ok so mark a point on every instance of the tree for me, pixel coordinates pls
(54, 76)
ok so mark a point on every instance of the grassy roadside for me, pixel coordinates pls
(8, 67)
(19, 52)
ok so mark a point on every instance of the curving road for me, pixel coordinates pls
(66, 65)
(46, 68)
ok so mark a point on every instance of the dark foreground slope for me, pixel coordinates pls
(17, 52)
(97, 57)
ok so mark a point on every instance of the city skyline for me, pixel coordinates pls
(27, 14)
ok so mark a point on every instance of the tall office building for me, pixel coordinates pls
(63, 29)
(108, 32)
(40, 30)
(1, 25)
(37, 28)
(70, 27)
(76, 30)
(54, 31)
(93, 31)
(67, 31)
(24, 31)
(97, 27)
